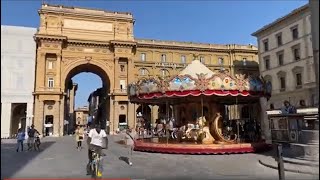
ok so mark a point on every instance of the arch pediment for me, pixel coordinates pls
(281, 73)
(297, 69)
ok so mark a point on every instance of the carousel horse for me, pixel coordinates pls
(205, 131)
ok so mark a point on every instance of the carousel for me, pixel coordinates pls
(205, 112)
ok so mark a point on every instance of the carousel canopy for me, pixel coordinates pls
(195, 67)
(198, 80)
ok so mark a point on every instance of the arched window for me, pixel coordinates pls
(164, 72)
(143, 72)
(163, 58)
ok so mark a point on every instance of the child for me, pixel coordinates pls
(20, 139)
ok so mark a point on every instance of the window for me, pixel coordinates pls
(282, 84)
(298, 80)
(313, 99)
(266, 45)
(267, 62)
(296, 52)
(279, 39)
(50, 82)
(164, 72)
(280, 58)
(19, 82)
(302, 103)
(183, 59)
(295, 32)
(143, 71)
(163, 58)
(123, 85)
(202, 60)
(143, 57)
(50, 64)
(271, 106)
(244, 61)
(220, 61)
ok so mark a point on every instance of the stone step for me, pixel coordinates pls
(290, 167)
(301, 161)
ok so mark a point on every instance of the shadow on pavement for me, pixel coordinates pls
(12, 161)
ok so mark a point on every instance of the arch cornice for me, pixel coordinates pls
(106, 66)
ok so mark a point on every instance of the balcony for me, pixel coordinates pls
(120, 91)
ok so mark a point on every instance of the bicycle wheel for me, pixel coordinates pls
(93, 169)
(98, 173)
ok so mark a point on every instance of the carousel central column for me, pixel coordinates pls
(155, 115)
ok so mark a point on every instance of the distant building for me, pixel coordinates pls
(69, 111)
(286, 59)
(97, 107)
(18, 51)
(81, 115)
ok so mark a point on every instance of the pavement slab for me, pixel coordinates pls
(59, 158)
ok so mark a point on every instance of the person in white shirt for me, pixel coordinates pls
(97, 140)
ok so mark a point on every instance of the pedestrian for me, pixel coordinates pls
(20, 138)
(32, 132)
(79, 137)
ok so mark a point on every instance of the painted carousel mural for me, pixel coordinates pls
(200, 117)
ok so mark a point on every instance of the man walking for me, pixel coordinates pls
(31, 140)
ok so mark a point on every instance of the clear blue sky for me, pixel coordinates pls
(208, 21)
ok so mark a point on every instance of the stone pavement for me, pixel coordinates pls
(60, 159)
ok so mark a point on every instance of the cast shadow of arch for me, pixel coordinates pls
(12, 161)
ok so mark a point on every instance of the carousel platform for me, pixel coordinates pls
(188, 148)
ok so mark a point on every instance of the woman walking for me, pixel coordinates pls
(79, 137)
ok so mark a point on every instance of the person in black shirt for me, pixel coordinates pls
(31, 139)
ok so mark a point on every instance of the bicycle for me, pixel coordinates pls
(95, 165)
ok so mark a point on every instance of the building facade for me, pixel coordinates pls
(18, 50)
(286, 59)
(72, 40)
(81, 115)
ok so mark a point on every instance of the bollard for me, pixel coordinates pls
(280, 162)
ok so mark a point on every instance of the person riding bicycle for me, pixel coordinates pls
(32, 132)
(97, 140)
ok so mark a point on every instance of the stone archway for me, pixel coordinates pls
(100, 69)
(66, 46)
(18, 117)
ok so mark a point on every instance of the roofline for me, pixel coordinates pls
(281, 19)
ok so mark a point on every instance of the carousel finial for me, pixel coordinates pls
(195, 56)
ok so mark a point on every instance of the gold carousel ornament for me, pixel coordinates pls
(205, 122)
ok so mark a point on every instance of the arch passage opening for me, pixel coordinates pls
(87, 89)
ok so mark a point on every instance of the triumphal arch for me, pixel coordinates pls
(74, 40)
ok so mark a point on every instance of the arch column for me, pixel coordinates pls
(5, 120)
(38, 115)
(116, 116)
(131, 115)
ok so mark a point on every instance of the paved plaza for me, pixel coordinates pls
(60, 159)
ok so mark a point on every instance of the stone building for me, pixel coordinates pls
(18, 50)
(286, 59)
(72, 40)
(81, 115)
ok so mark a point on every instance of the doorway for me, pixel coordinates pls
(48, 124)
(122, 122)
